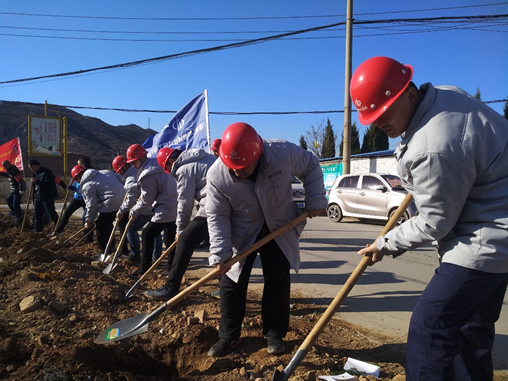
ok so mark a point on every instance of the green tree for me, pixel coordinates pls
(505, 108)
(355, 141)
(478, 94)
(329, 141)
(374, 140)
(303, 142)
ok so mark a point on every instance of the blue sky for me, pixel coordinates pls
(305, 73)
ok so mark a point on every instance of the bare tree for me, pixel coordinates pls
(315, 138)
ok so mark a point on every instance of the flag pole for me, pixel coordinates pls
(207, 121)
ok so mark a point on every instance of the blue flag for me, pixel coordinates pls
(186, 129)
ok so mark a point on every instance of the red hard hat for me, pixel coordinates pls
(241, 146)
(76, 170)
(215, 145)
(118, 163)
(163, 156)
(135, 152)
(376, 84)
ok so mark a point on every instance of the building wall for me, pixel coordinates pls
(379, 164)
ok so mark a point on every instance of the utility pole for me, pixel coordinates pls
(346, 149)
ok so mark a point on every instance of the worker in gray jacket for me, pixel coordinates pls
(103, 194)
(249, 196)
(157, 193)
(189, 169)
(453, 159)
(130, 183)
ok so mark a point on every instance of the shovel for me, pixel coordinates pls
(343, 293)
(153, 267)
(62, 211)
(28, 198)
(139, 324)
(102, 256)
(74, 235)
(112, 265)
(82, 238)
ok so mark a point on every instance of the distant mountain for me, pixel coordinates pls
(86, 135)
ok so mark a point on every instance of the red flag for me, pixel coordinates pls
(11, 151)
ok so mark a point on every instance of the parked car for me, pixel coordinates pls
(367, 196)
(298, 192)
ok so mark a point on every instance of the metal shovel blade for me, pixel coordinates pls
(131, 291)
(109, 268)
(276, 375)
(123, 329)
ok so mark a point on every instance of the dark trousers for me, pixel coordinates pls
(451, 332)
(188, 240)
(14, 202)
(104, 228)
(276, 293)
(41, 207)
(150, 232)
(69, 211)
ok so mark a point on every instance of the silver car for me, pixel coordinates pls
(367, 196)
(298, 192)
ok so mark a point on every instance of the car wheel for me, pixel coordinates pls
(402, 218)
(334, 213)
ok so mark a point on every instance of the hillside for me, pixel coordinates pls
(86, 135)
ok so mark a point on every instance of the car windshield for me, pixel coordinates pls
(294, 180)
(393, 181)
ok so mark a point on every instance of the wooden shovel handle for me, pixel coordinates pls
(157, 262)
(28, 198)
(214, 273)
(62, 211)
(351, 281)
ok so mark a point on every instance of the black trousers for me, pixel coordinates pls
(188, 241)
(69, 211)
(104, 227)
(40, 208)
(152, 230)
(276, 293)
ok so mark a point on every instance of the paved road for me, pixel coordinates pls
(385, 294)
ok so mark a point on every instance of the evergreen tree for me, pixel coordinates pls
(505, 108)
(355, 141)
(374, 140)
(303, 143)
(367, 140)
(478, 94)
(329, 141)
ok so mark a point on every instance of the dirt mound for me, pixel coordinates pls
(71, 301)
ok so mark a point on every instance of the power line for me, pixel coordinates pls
(226, 112)
(239, 18)
(210, 33)
(246, 43)
(172, 56)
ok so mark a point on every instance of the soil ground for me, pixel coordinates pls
(74, 302)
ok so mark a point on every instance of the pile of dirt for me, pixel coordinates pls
(55, 300)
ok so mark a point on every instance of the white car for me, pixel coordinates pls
(367, 196)
(298, 192)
